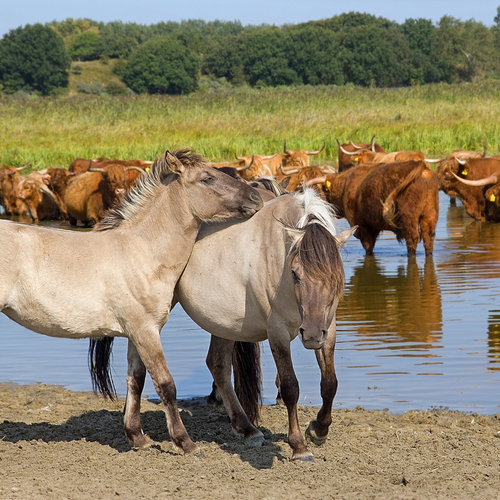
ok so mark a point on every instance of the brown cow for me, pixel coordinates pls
(81, 165)
(473, 169)
(58, 182)
(289, 158)
(41, 201)
(368, 156)
(9, 199)
(400, 197)
(344, 158)
(491, 194)
(452, 163)
(297, 177)
(248, 168)
(89, 195)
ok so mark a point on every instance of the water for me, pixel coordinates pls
(412, 333)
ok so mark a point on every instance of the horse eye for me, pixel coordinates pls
(295, 277)
(208, 180)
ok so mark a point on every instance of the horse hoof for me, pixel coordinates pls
(306, 458)
(255, 441)
(312, 436)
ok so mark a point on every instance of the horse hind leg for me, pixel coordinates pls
(150, 351)
(219, 362)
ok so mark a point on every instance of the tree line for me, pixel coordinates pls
(170, 57)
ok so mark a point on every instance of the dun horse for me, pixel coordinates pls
(118, 280)
(274, 276)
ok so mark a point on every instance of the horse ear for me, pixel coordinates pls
(284, 182)
(174, 163)
(345, 235)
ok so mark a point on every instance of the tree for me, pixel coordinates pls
(314, 55)
(468, 47)
(162, 66)
(265, 60)
(85, 47)
(33, 58)
(427, 63)
(376, 55)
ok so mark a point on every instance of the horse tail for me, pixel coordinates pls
(248, 377)
(99, 366)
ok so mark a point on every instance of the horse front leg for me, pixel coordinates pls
(151, 353)
(219, 362)
(289, 387)
(317, 430)
(136, 375)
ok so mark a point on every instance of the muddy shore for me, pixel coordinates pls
(55, 443)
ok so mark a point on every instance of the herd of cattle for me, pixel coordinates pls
(373, 189)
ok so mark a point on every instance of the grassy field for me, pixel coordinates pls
(435, 119)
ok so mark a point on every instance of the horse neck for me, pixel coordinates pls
(165, 226)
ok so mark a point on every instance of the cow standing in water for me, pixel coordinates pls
(398, 197)
(89, 195)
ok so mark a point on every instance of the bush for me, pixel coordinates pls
(33, 59)
(162, 66)
(115, 87)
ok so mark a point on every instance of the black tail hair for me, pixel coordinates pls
(248, 378)
(99, 366)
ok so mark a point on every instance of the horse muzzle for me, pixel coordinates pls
(312, 340)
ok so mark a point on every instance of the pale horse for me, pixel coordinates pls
(274, 276)
(118, 280)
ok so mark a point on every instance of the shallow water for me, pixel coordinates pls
(411, 333)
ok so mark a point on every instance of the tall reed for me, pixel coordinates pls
(435, 119)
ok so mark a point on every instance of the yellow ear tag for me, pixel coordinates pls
(356, 159)
(147, 169)
(464, 172)
(492, 197)
(328, 184)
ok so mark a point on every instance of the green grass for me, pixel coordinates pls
(435, 119)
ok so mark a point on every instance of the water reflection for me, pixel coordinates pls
(400, 308)
(494, 340)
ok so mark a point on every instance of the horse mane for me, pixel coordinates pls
(316, 247)
(139, 198)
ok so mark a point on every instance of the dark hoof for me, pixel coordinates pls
(312, 436)
(255, 441)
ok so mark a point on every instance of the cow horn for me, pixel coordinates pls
(46, 190)
(239, 169)
(268, 157)
(317, 151)
(355, 146)
(268, 170)
(285, 150)
(288, 172)
(328, 170)
(94, 169)
(350, 153)
(316, 180)
(492, 179)
(139, 169)
(485, 149)
(25, 166)
(434, 160)
(461, 162)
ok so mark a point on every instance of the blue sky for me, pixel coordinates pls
(15, 13)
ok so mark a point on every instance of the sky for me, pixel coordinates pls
(15, 13)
